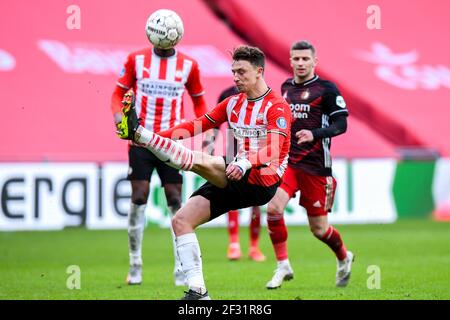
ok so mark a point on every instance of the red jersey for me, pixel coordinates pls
(159, 84)
(257, 124)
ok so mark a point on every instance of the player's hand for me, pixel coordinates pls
(118, 118)
(234, 173)
(304, 136)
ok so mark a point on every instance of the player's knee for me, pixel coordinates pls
(139, 195)
(139, 199)
(318, 231)
(179, 223)
(274, 208)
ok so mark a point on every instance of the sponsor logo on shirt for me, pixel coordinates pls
(250, 133)
(160, 88)
(300, 110)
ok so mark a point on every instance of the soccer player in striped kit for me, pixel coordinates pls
(318, 113)
(158, 78)
(260, 119)
(234, 247)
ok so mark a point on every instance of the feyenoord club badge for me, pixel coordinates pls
(305, 94)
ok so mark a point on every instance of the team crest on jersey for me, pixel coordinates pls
(340, 102)
(179, 74)
(260, 117)
(281, 123)
(305, 94)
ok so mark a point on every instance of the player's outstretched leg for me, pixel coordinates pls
(174, 154)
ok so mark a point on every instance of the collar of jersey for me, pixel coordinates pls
(260, 97)
(174, 55)
(305, 83)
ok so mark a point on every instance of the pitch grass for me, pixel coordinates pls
(413, 257)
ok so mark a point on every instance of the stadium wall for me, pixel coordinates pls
(52, 196)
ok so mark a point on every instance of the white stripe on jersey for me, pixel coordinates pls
(154, 66)
(255, 142)
(242, 113)
(255, 111)
(139, 68)
(282, 168)
(268, 106)
(187, 66)
(338, 111)
(122, 86)
(231, 104)
(326, 143)
(167, 107)
(151, 100)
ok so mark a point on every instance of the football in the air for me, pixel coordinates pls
(164, 29)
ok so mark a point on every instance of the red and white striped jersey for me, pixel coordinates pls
(252, 120)
(159, 84)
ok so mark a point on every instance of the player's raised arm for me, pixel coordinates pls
(212, 119)
(125, 82)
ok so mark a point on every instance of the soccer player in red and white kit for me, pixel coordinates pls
(158, 77)
(261, 122)
(318, 112)
(234, 246)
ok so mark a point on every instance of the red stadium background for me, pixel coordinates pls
(56, 82)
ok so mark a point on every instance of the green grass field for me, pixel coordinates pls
(413, 256)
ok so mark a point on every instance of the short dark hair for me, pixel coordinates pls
(253, 55)
(303, 45)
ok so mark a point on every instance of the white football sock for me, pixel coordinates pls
(284, 262)
(169, 151)
(177, 267)
(136, 225)
(191, 261)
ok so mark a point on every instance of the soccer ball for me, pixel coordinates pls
(164, 29)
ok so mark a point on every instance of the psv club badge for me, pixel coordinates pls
(305, 95)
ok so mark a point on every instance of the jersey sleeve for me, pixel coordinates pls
(218, 115)
(127, 76)
(193, 84)
(333, 102)
(209, 120)
(279, 119)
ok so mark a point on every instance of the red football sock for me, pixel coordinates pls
(233, 226)
(333, 239)
(255, 226)
(278, 235)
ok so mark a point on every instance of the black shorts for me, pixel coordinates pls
(142, 162)
(236, 195)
